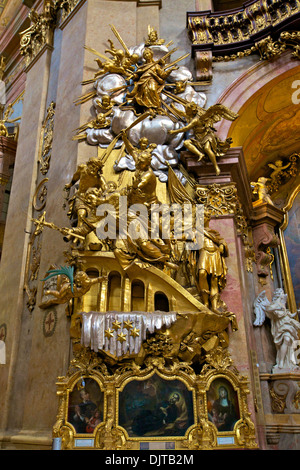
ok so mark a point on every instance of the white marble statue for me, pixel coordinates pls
(284, 327)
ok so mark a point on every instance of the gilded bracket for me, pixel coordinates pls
(39, 33)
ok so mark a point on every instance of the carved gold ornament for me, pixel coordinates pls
(39, 33)
(249, 24)
(88, 369)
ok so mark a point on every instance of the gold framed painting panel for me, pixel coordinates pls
(64, 428)
(242, 434)
(150, 379)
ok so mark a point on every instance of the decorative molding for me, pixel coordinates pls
(38, 204)
(149, 3)
(46, 140)
(203, 61)
(68, 9)
(262, 27)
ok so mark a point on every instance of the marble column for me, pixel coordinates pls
(18, 226)
(7, 158)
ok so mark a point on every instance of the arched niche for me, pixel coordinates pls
(114, 291)
(250, 82)
(137, 295)
(161, 302)
(266, 98)
(91, 298)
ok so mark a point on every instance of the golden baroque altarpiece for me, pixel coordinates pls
(148, 326)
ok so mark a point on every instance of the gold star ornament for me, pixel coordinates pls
(128, 325)
(116, 325)
(109, 333)
(135, 332)
(121, 337)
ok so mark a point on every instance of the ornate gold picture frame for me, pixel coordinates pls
(158, 405)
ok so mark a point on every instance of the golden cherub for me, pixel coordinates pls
(70, 287)
(277, 166)
(260, 188)
(153, 39)
(3, 128)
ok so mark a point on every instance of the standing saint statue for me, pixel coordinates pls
(211, 267)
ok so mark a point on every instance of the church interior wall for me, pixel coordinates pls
(35, 360)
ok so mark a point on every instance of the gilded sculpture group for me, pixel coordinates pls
(144, 88)
(145, 78)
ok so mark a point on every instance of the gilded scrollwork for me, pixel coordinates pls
(46, 139)
(222, 199)
(268, 48)
(40, 196)
(39, 201)
(296, 399)
(217, 359)
(282, 171)
(278, 402)
(65, 6)
(33, 263)
(39, 33)
(245, 432)
(203, 436)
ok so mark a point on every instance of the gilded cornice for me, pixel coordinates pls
(242, 31)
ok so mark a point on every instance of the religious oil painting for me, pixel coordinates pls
(156, 407)
(222, 405)
(292, 241)
(86, 404)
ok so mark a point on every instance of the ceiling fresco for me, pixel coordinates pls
(268, 127)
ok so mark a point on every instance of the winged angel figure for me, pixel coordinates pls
(201, 122)
(284, 326)
(149, 97)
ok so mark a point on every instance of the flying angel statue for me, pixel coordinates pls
(204, 141)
